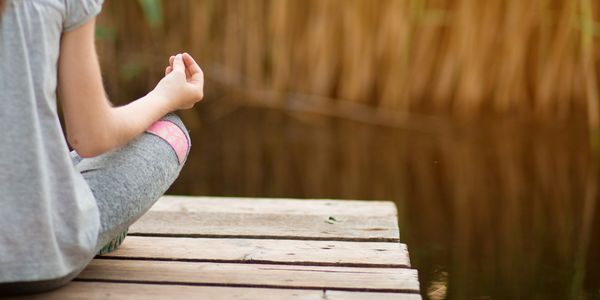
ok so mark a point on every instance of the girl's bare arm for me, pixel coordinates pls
(93, 125)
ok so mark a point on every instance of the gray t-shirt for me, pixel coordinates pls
(48, 216)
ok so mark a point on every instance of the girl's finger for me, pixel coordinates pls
(171, 59)
(168, 70)
(187, 74)
(178, 64)
(190, 63)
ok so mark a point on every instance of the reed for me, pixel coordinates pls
(466, 58)
(500, 212)
(491, 208)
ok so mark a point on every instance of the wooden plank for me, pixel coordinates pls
(271, 219)
(122, 291)
(334, 295)
(368, 254)
(253, 275)
(275, 206)
(350, 228)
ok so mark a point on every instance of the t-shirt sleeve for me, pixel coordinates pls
(78, 12)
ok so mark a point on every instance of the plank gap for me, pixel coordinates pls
(267, 237)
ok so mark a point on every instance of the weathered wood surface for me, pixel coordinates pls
(367, 254)
(271, 218)
(234, 248)
(232, 205)
(258, 275)
(122, 291)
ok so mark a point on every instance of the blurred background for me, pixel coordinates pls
(477, 118)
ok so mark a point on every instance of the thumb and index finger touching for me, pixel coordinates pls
(192, 68)
(178, 64)
(186, 62)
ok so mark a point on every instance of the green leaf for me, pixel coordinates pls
(131, 70)
(105, 33)
(152, 10)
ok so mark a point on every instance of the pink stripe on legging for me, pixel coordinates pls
(173, 135)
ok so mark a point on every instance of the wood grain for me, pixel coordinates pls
(253, 275)
(270, 219)
(275, 206)
(120, 291)
(235, 248)
(366, 254)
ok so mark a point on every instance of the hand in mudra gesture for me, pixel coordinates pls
(183, 83)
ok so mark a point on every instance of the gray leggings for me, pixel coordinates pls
(126, 183)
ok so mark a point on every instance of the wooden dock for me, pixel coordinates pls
(246, 248)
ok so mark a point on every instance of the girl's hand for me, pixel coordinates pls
(183, 84)
(93, 125)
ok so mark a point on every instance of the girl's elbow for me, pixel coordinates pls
(87, 148)
(87, 152)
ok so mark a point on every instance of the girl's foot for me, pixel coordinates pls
(114, 244)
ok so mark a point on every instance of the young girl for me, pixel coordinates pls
(59, 209)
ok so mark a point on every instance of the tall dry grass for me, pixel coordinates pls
(503, 213)
(536, 58)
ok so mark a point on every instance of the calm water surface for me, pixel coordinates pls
(496, 211)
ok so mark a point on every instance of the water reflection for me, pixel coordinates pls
(500, 211)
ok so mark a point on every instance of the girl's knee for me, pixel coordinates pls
(172, 130)
(172, 117)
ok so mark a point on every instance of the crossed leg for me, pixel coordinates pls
(125, 183)
(128, 181)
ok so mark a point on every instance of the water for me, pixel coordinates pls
(493, 211)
